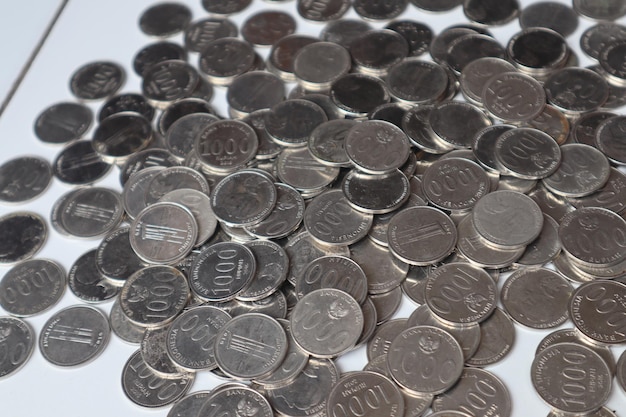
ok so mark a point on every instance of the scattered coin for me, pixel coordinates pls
(18, 341)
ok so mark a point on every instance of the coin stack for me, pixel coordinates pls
(264, 246)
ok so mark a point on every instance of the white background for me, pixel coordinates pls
(107, 30)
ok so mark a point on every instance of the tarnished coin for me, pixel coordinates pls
(79, 164)
(553, 122)
(74, 335)
(191, 337)
(250, 346)
(200, 206)
(18, 343)
(537, 297)
(87, 282)
(244, 198)
(317, 380)
(97, 80)
(513, 97)
(374, 393)
(455, 184)
(425, 359)
(421, 235)
(32, 287)
(596, 311)
(583, 170)
(221, 271)
(551, 375)
(23, 234)
(24, 178)
(333, 272)
(507, 219)
(154, 296)
(604, 233)
(460, 293)
(63, 122)
(497, 335)
(527, 153)
(153, 348)
(115, 258)
(327, 322)
(163, 233)
(146, 388)
(331, 220)
(476, 382)
(92, 212)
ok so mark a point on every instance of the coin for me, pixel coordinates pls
(243, 400)
(164, 19)
(74, 335)
(119, 136)
(594, 310)
(497, 336)
(327, 322)
(63, 122)
(24, 178)
(369, 392)
(513, 97)
(376, 194)
(23, 234)
(32, 287)
(87, 282)
(79, 164)
(154, 352)
(115, 258)
(200, 206)
(574, 336)
(333, 272)
(18, 341)
(97, 80)
(527, 153)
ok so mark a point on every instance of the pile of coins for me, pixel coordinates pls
(263, 246)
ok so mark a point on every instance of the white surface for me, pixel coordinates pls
(107, 30)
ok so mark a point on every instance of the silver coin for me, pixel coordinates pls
(191, 337)
(415, 81)
(609, 138)
(553, 122)
(164, 19)
(63, 122)
(527, 153)
(267, 148)
(377, 147)
(282, 56)
(603, 245)
(543, 249)
(201, 32)
(526, 54)
(244, 198)
(128, 102)
(301, 249)
(87, 282)
(135, 190)
(252, 91)
(370, 321)
(379, 344)
(595, 311)
(365, 51)
(443, 120)
(183, 107)
(497, 336)
(376, 194)
(317, 65)
(612, 196)
(74, 336)
(550, 14)
(467, 334)
(266, 27)
(121, 135)
(421, 235)
(475, 75)
(32, 287)
(333, 272)
(181, 135)
(370, 393)
(79, 164)
(574, 336)
(153, 348)
(576, 90)
(386, 304)
(491, 12)
(279, 121)
(331, 220)
(425, 359)
(153, 157)
(115, 258)
(23, 234)
(144, 387)
(478, 251)
(467, 48)
(356, 95)
(460, 293)
(167, 81)
(155, 53)
(97, 80)
(553, 205)
(300, 169)
(163, 233)
(308, 394)
(122, 327)
(18, 343)
(537, 297)
(507, 219)
(583, 170)
(610, 58)
(513, 97)
(200, 206)
(455, 184)
(285, 217)
(551, 374)
(415, 123)
(242, 400)
(272, 265)
(222, 72)
(596, 38)
(154, 296)
(190, 404)
(174, 178)
(250, 346)
(92, 212)
(621, 371)
(417, 34)
(24, 178)
(413, 285)
(378, 231)
(221, 271)
(274, 305)
(327, 322)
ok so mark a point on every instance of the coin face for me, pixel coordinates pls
(24, 178)
(374, 393)
(24, 234)
(74, 335)
(595, 311)
(377, 147)
(18, 341)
